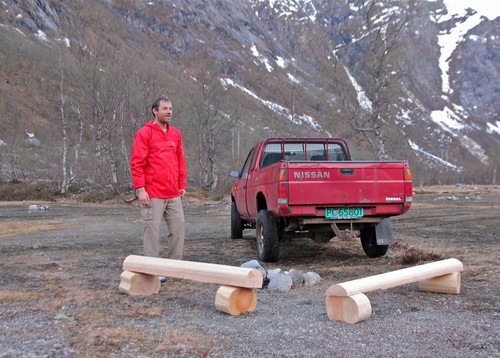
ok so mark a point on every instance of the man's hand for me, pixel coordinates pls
(143, 196)
(182, 192)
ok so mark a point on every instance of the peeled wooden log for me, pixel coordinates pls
(234, 300)
(196, 271)
(397, 278)
(139, 284)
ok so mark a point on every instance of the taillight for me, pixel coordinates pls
(408, 187)
(283, 174)
(283, 191)
(408, 174)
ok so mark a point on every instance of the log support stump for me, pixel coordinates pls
(449, 283)
(350, 309)
(139, 284)
(235, 300)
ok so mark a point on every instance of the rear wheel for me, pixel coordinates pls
(369, 243)
(236, 223)
(267, 237)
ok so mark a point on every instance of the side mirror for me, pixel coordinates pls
(235, 174)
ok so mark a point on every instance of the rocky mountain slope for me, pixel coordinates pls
(417, 80)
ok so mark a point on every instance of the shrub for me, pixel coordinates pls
(19, 190)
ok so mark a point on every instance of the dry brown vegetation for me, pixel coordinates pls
(405, 254)
(10, 228)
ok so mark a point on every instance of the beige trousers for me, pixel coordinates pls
(171, 210)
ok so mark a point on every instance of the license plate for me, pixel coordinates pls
(343, 213)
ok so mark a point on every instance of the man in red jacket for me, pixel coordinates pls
(158, 171)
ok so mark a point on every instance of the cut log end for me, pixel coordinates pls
(139, 284)
(349, 309)
(235, 300)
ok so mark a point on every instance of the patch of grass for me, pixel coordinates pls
(19, 296)
(218, 197)
(19, 190)
(12, 228)
(409, 255)
(195, 195)
(142, 311)
(204, 195)
(184, 341)
(97, 196)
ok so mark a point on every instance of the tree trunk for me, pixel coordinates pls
(111, 153)
(64, 163)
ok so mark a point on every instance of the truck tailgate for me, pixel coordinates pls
(340, 183)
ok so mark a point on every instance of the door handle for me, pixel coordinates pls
(346, 171)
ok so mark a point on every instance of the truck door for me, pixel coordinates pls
(251, 194)
(240, 187)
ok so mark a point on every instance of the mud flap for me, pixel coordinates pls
(383, 232)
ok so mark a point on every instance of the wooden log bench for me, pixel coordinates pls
(346, 301)
(236, 295)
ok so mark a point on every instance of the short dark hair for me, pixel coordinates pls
(156, 103)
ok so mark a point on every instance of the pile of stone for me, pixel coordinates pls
(283, 281)
(452, 197)
(37, 207)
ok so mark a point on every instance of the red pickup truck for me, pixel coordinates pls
(310, 187)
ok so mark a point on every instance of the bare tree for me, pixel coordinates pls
(293, 101)
(385, 69)
(13, 144)
(368, 72)
(212, 119)
(69, 168)
(101, 98)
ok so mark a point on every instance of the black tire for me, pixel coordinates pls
(266, 230)
(236, 223)
(369, 243)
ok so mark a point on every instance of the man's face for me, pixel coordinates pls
(164, 112)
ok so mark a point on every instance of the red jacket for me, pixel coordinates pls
(158, 162)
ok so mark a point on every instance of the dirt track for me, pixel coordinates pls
(60, 271)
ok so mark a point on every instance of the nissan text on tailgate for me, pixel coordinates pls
(310, 187)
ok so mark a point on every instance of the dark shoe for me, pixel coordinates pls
(162, 278)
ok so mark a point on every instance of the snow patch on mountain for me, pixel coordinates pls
(493, 128)
(448, 41)
(276, 108)
(448, 120)
(487, 8)
(281, 62)
(433, 158)
(363, 99)
(451, 123)
(288, 8)
(261, 58)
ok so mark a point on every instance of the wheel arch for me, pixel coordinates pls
(261, 202)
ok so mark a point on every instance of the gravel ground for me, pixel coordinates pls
(60, 273)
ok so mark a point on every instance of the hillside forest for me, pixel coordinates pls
(71, 103)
